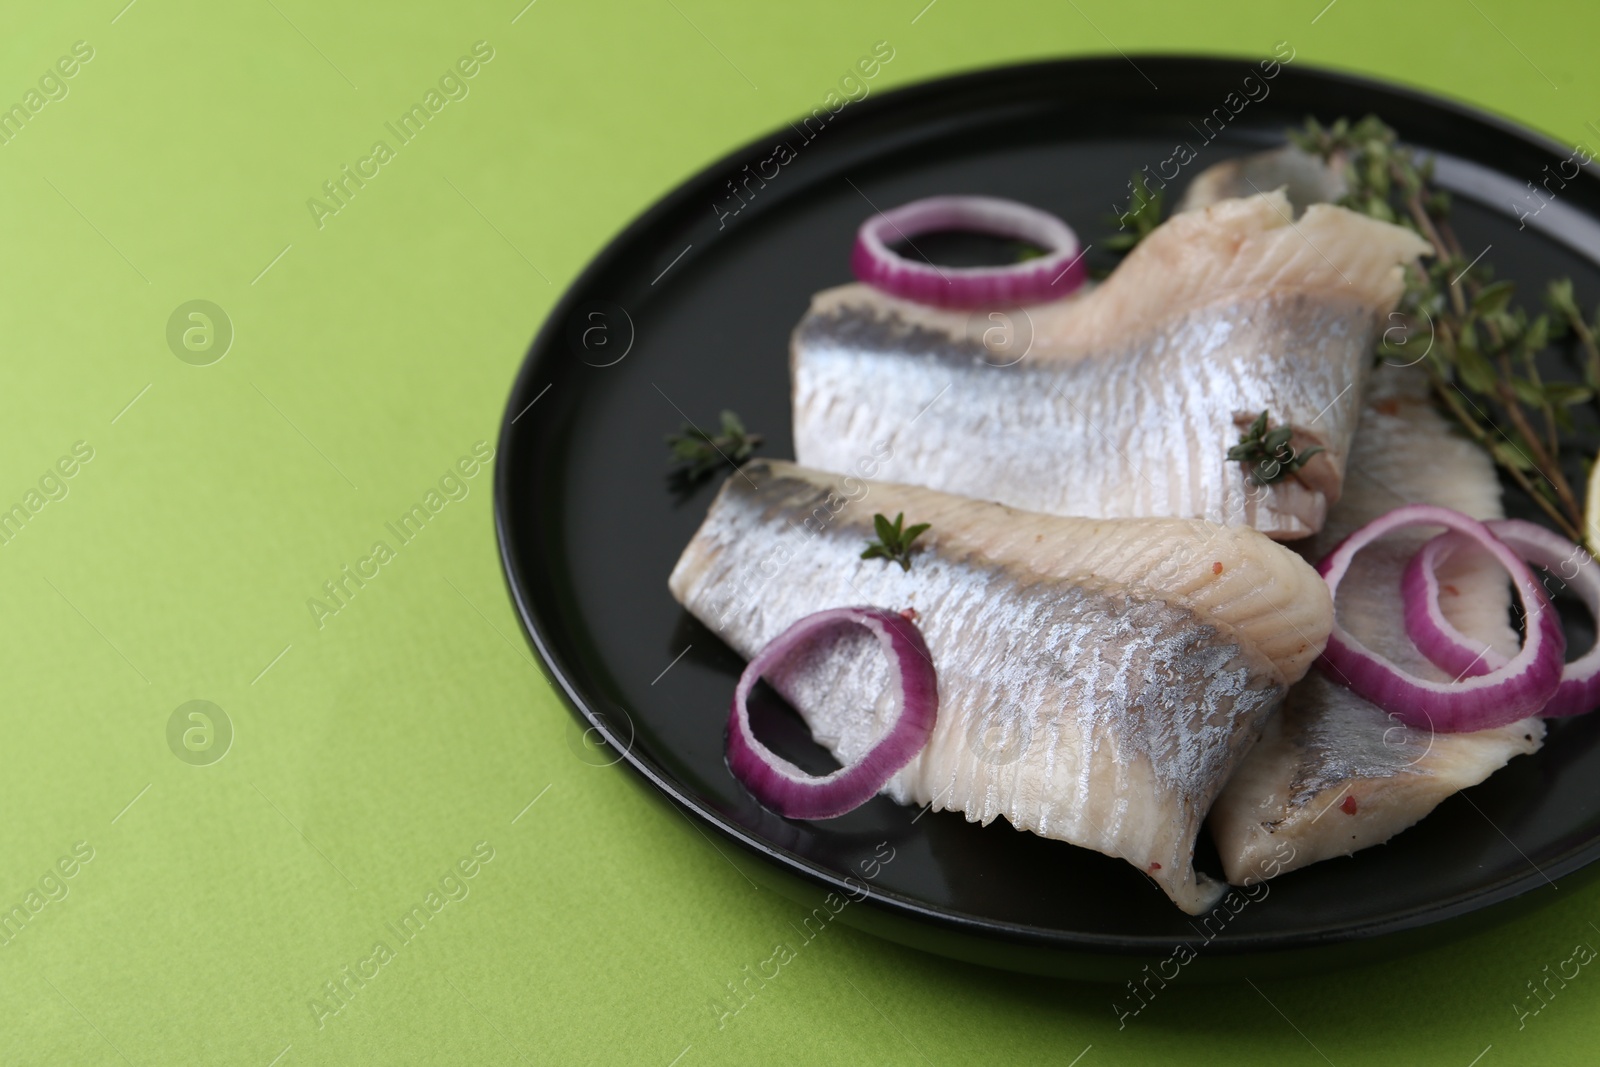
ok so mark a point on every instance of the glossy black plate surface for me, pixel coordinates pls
(689, 311)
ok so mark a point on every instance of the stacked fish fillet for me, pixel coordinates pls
(1333, 774)
(1113, 623)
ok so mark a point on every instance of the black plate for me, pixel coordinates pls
(689, 312)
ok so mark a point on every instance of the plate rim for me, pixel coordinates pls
(1491, 901)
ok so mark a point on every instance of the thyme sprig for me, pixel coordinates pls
(699, 454)
(1143, 214)
(894, 540)
(1483, 357)
(1268, 453)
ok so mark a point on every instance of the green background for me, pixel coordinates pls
(374, 752)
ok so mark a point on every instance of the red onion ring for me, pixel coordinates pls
(1030, 282)
(791, 792)
(1514, 691)
(1452, 650)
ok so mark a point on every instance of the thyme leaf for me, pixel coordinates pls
(1268, 453)
(894, 540)
(698, 454)
(1142, 215)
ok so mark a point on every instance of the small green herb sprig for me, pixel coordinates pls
(699, 455)
(1481, 350)
(1268, 453)
(894, 540)
(1142, 216)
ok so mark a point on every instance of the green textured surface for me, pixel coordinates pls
(375, 752)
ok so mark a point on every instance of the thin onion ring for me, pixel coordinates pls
(1519, 689)
(791, 792)
(1053, 275)
(1453, 651)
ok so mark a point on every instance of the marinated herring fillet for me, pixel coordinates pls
(1099, 680)
(1333, 773)
(1130, 395)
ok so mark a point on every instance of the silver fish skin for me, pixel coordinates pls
(1129, 395)
(1099, 680)
(1333, 773)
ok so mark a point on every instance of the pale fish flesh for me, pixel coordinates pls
(1099, 680)
(1121, 401)
(1333, 773)
(1302, 176)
